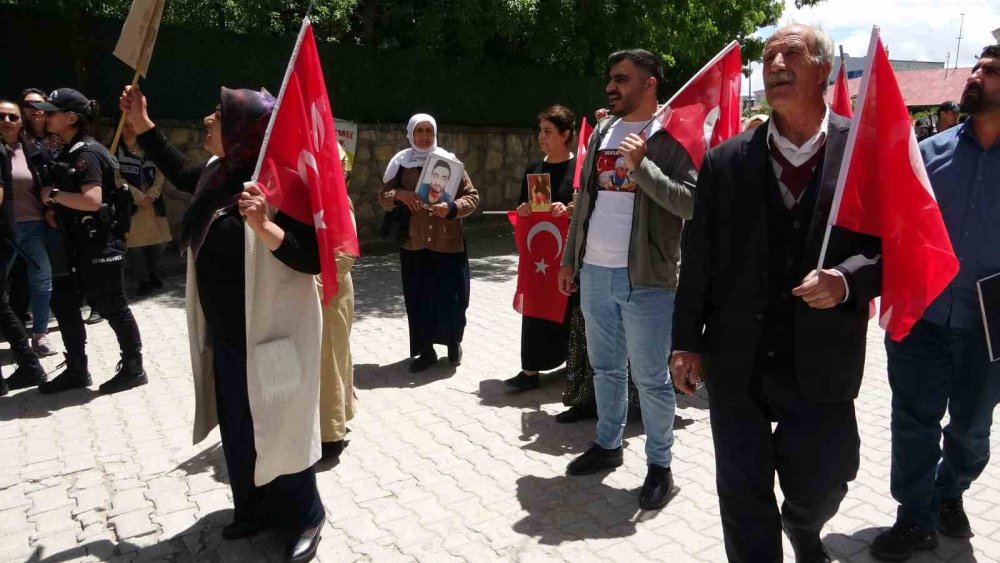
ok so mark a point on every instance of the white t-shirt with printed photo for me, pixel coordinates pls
(611, 223)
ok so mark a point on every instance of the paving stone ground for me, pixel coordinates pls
(441, 466)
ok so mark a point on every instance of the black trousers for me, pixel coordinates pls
(291, 501)
(99, 276)
(815, 450)
(10, 325)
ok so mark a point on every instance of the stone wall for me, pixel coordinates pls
(495, 159)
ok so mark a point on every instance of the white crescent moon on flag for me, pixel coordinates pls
(710, 120)
(548, 228)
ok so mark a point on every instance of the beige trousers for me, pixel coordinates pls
(336, 389)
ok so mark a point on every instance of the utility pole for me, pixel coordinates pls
(958, 50)
(947, 63)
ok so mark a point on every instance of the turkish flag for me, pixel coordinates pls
(541, 241)
(706, 111)
(583, 139)
(841, 95)
(883, 191)
(300, 170)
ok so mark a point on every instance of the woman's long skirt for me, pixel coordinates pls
(545, 344)
(436, 291)
(291, 501)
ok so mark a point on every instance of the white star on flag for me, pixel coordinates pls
(541, 266)
(318, 219)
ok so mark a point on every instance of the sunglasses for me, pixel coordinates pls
(11, 117)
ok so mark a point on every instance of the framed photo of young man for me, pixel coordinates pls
(540, 192)
(439, 180)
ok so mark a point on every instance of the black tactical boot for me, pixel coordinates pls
(29, 372)
(75, 376)
(130, 374)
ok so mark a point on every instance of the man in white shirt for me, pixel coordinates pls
(624, 244)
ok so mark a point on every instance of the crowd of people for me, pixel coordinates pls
(779, 345)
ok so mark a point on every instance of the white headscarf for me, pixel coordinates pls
(413, 156)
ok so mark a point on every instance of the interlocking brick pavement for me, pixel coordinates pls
(442, 466)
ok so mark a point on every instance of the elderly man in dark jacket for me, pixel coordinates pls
(775, 339)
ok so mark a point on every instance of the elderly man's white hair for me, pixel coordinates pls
(820, 46)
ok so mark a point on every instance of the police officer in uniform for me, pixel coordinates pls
(93, 216)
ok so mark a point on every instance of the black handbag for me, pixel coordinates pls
(396, 224)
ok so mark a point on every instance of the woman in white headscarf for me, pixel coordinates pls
(433, 261)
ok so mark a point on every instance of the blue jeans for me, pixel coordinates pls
(629, 325)
(32, 238)
(938, 368)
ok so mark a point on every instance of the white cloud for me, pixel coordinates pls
(925, 30)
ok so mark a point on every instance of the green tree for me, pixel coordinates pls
(573, 36)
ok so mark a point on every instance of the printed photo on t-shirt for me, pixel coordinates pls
(612, 172)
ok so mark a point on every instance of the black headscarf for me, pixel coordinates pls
(245, 115)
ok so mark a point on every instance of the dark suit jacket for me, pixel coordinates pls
(722, 292)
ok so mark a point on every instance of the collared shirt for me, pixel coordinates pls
(965, 178)
(796, 155)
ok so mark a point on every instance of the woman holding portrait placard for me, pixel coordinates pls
(432, 256)
(545, 344)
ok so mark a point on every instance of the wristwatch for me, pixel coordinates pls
(52, 196)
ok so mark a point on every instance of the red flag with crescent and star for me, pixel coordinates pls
(541, 241)
(706, 111)
(299, 170)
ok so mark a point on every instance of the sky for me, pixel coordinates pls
(925, 30)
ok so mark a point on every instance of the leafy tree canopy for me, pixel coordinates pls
(572, 36)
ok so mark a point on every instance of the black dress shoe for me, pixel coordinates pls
(522, 382)
(595, 459)
(900, 541)
(423, 361)
(304, 547)
(575, 414)
(94, 318)
(952, 520)
(657, 488)
(238, 529)
(3, 386)
(455, 354)
(332, 450)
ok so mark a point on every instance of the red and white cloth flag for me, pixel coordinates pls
(706, 111)
(583, 138)
(541, 241)
(841, 104)
(883, 191)
(299, 168)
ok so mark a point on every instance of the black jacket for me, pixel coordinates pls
(722, 292)
(7, 206)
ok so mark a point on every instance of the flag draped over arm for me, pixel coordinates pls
(883, 191)
(541, 241)
(706, 111)
(299, 167)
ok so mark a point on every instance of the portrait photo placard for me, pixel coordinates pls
(540, 192)
(439, 180)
